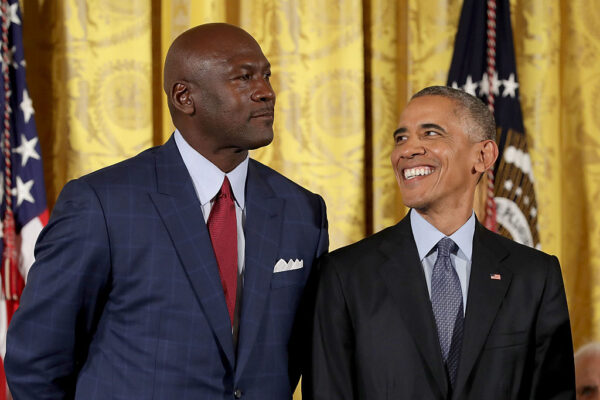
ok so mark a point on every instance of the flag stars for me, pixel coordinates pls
(12, 61)
(495, 84)
(510, 86)
(27, 106)
(23, 191)
(10, 55)
(27, 149)
(508, 185)
(13, 15)
(484, 84)
(526, 200)
(533, 212)
(470, 86)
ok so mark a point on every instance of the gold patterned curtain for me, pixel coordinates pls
(343, 70)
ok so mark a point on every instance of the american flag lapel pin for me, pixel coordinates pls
(496, 277)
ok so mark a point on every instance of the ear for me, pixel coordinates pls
(487, 152)
(181, 98)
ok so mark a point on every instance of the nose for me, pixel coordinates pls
(411, 147)
(263, 92)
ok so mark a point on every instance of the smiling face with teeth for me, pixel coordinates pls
(437, 164)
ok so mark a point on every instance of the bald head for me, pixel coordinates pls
(192, 52)
(217, 82)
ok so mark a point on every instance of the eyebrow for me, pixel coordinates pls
(399, 130)
(433, 126)
(253, 66)
(403, 129)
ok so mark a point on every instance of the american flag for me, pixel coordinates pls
(23, 209)
(484, 65)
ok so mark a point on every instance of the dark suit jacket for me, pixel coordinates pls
(375, 336)
(124, 300)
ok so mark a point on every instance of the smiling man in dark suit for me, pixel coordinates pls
(179, 273)
(438, 307)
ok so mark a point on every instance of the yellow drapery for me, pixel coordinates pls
(342, 70)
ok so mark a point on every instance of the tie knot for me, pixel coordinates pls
(446, 246)
(225, 190)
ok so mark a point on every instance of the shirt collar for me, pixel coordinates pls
(426, 235)
(207, 177)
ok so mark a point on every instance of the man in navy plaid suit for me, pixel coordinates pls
(125, 299)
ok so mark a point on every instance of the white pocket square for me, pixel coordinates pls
(290, 265)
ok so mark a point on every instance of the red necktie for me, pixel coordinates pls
(222, 227)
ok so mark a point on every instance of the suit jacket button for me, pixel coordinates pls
(237, 394)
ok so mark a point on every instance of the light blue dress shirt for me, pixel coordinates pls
(427, 236)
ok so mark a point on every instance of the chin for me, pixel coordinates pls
(259, 142)
(416, 203)
(417, 206)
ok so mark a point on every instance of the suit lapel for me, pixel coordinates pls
(178, 206)
(264, 218)
(404, 277)
(484, 298)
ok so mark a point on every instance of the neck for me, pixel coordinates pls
(227, 161)
(226, 158)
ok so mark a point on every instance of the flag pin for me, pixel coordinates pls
(495, 276)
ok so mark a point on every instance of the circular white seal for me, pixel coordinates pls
(509, 215)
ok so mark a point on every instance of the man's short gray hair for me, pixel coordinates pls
(480, 121)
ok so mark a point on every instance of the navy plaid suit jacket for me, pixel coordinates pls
(124, 300)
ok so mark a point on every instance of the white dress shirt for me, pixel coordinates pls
(208, 179)
(427, 236)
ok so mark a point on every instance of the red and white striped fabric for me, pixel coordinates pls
(23, 209)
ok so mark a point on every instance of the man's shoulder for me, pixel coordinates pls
(281, 185)
(520, 257)
(131, 170)
(509, 244)
(366, 253)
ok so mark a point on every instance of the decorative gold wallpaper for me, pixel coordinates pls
(91, 92)
(318, 74)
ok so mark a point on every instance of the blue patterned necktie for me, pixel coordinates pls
(447, 304)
